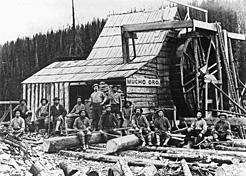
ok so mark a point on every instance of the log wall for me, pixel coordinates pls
(33, 93)
(158, 68)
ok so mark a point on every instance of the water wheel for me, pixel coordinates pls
(195, 57)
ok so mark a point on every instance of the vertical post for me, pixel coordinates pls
(125, 46)
(24, 91)
(206, 99)
(226, 44)
(197, 73)
(206, 16)
(11, 112)
(218, 59)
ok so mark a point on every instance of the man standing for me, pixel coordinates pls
(22, 107)
(82, 124)
(197, 129)
(58, 112)
(116, 103)
(108, 122)
(222, 129)
(17, 124)
(140, 123)
(42, 115)
(97, 100)
(162, 128)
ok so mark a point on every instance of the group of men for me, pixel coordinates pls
(104, 112)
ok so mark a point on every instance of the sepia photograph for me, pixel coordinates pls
(123, 88)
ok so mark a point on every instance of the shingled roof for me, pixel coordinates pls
(105, 60)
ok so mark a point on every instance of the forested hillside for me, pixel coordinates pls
(21, 58)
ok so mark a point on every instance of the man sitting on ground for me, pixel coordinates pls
(162, 128)
(222, 129)
(197, 130)
(42, 115)
(141, 124)
(82, 124)
(17, 125)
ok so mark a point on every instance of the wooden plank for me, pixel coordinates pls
(61, 92)
(52, 92)
(24, 90)
(141, 89)
(8, 102)
(141, 95)
(168, 25)
(236, 36)
(47, 90)
(56, 89)
(44, 91)
(66, 96)
(40, 91)
(28, 98)
(32, 100)
(37, 99)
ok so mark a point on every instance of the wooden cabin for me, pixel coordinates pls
(144, 80)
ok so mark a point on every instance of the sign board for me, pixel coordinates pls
(143, 82)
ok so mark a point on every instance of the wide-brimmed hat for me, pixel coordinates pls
(158, 110)
(94, 85)
(223, 114)
(127, 101)
(46, 101)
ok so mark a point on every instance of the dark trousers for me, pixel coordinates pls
(195, 134)
(96, 114)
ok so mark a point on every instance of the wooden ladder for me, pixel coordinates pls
(231, 82)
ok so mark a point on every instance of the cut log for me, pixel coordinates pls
(68, 169)
(149, 170)
(120, 168)
(122, 143)
(235, 154)
(231, 170)
(56, 144)
(186, 168)
(113, 159)
(37, 169)
(226, 148)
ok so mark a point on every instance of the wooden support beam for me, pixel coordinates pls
(168, 25)
(236, 36)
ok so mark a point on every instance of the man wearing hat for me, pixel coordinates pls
(77, 108)
(140, 122)
(98, 98)
(162, 128)
(57, 113)
(42, 115)
(197, 130)
(22, 107)
(108, 122)
(222, 129)
(127, 112)
(116, 102)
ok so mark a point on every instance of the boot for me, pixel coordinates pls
(149, 140)
(158, 140)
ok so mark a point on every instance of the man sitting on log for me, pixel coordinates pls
(77, 108)
(162, 128)
(222, 129)
(82, 124)
(141, 124)
(42, 115)
(108, 122)
(197, 130)
(58, 112)
(17, 125)
(151, 117)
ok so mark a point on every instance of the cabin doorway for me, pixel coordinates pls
(83, 91)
